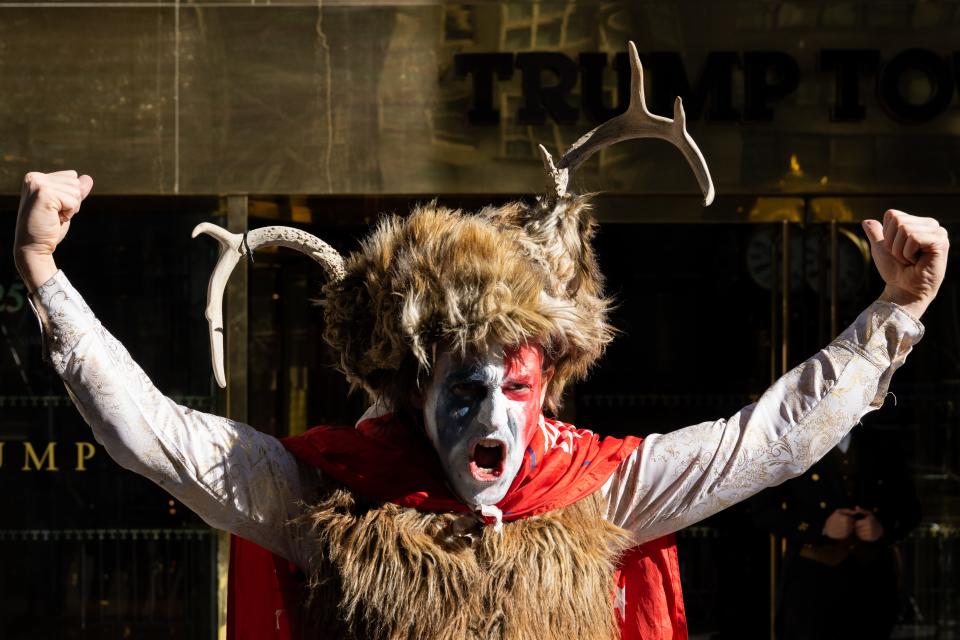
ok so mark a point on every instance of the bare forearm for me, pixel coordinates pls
(916, 307)
(35, 266)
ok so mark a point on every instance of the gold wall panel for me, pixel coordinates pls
(90, 89)
(227, 96)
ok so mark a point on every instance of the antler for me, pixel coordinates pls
(635, 122)
(234, 246)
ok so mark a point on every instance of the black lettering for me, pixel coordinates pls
(592, 66)
(848, 66)
(938, 74)
(767, 76)
(714, 87)
(482, 66)
(538, 100)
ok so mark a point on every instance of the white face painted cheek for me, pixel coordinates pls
(454, 423)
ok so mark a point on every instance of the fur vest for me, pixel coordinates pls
(385, 572)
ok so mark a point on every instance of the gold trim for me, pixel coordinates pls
(223, 574)
(237, 208)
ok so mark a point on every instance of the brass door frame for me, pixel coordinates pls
(237, 210)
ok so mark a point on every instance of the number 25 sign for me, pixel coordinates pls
(12, 298)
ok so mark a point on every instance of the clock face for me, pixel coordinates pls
(810, 259)
(853, 262)
(764, 247)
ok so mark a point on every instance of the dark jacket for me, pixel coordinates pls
(872, 474)
(841, 588)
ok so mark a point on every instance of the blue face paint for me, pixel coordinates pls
(460, 397)
(475, 420)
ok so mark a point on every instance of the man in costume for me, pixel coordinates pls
(455, 508)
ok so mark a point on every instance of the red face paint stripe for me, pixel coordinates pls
(524, 365)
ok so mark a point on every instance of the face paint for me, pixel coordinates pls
(480, 414)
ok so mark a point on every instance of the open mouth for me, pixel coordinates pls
(486, 459)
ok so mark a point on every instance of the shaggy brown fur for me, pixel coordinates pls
(445, 279)
(384, 572)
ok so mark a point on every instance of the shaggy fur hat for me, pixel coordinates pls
(445, 279)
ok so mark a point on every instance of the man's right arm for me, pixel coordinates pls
(233, 476)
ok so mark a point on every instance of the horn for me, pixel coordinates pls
(635, 122)
(234, 246)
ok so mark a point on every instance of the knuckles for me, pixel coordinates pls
(41, 184)
(913, 225)
(901, 218)
(36, 181)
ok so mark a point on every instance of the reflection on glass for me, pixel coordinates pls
(88, 549)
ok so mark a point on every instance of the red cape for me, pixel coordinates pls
(382, 459)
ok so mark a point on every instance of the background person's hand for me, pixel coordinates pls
(911, 255)
(47, 203)
(867, 527)
(839, 525)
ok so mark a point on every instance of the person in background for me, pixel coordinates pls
(842, 520)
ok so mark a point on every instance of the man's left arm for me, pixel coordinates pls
(677, 479)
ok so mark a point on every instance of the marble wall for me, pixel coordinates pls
(344, 97)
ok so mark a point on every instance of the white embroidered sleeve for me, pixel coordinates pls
(679, 478)
(233, 476)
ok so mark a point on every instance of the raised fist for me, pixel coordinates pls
(47, 203)
(911, 255)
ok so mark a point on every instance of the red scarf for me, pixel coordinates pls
(562, 465)
(385, 460)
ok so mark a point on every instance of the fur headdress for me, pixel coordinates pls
(444, 279)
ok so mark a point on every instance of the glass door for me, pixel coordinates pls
(87, 549)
